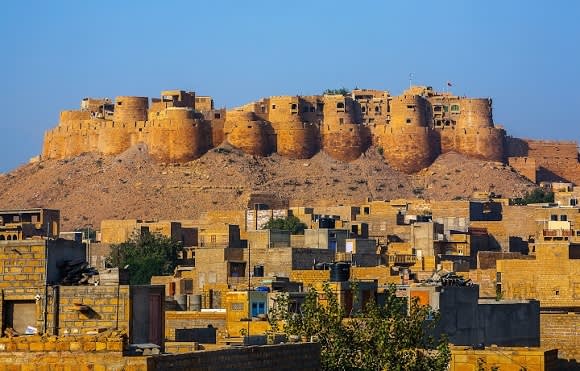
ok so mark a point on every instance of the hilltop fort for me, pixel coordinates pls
(411, 130)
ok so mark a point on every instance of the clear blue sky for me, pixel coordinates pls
(523, 54)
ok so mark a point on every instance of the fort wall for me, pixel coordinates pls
(554, 160)
(412, 129)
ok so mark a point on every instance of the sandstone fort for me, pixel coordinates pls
(411, 130)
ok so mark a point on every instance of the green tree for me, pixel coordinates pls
(342, 91)
(145, 255)
(290, 223)
(378, 337)
(538, 195)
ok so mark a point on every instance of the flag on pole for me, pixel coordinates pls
(449, 83)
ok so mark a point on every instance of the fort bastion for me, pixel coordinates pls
(412, 129)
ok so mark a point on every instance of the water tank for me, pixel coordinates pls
(339, 272)
(263, 289)
(258, 271)
(195, 303)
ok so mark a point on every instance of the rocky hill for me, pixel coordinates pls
(92, 187)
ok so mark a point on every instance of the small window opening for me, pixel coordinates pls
(219, 115)
(408, 121)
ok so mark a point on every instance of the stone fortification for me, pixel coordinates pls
(411, 130)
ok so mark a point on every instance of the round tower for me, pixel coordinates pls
(408, 143)
(130, 109)
(475, 134)
(473, 113)
(295, 138)
(340, 131)
(188, 137)
(245, 132)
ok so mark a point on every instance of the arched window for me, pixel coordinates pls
(377, 109)
(14, 237)
(363, 109)
(2, 238)
(9, 237)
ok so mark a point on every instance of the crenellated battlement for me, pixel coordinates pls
(412, 129)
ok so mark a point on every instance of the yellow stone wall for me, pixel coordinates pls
(507, 359)
(552, 278)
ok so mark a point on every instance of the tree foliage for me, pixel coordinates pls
(290, 223)
(538, 195)
(146, 255)
(378, 337)
(342, 91)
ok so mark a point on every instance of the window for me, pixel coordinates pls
(294, 106)
(237, 307)
(219, 116)
(408, 121)
(437, 108)
(341, 121)
(363, 109)
(445, 109)
(411, 107)
(377, 109)
(564, 218)
(273, 106)
(455, 108)
(340, 105)
(258, 308)
(553, 217)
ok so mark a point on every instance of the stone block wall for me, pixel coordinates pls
(560, 330)
(504, 359)
(107, 307)
(189, 319)
(305, 356)
(552, 278)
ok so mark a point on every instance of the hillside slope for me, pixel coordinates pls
(92, 187)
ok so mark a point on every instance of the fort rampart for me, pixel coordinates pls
(411, 130)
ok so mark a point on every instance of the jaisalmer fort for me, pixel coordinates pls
(373, 284)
